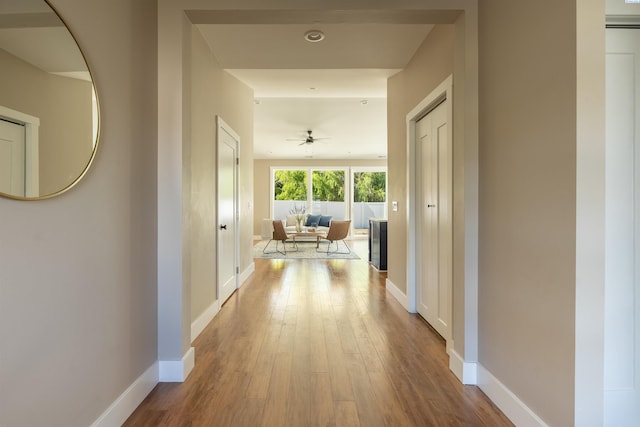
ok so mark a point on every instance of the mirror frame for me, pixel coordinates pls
(98, 128)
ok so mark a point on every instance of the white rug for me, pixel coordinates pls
(306, 250)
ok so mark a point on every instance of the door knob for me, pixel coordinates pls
(431, 206)
(223, 227)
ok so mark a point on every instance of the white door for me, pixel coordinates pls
(434, 271)
(228, 142)
(622, 213)
(12, 158)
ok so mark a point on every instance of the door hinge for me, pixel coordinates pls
(237, 160)
(237, 270)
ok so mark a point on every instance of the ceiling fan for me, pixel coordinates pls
(310, 139)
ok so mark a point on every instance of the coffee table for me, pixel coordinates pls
(305, 233)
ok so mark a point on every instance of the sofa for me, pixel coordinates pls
(322, 221)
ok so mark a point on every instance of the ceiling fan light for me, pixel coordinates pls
(314, 36)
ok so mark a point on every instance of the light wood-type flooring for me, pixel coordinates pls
(317, 343)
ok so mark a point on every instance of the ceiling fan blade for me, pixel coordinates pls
(303, 142)
(297, 139)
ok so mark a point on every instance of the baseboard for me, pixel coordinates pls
(246, 273)
(129, 400)
(467, 372)
(176, 371)
(257, 237)
(397, 294)
(198, 325)
(519, 413)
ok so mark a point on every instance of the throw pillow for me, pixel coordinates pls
(313, 219)
(325, 220)
(291, 220)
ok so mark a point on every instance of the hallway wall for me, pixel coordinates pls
(78, 272)
(214, 92)
(529, 150)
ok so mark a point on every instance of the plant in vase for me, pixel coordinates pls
(300, 214)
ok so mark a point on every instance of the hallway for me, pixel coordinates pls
(317, 342)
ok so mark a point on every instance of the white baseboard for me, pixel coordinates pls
(257, 237)
(203, 320)
(246, 273)
(129, 400)
(467, 372)
(397, 294)
(519, 413)
(176, 371)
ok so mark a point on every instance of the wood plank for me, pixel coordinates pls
(275, 408)
(322, 411)
(346, 414)
(369, 412)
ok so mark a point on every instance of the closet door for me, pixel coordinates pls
(434, 287)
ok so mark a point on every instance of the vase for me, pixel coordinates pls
(299, 225)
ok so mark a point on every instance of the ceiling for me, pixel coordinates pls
(336, 87)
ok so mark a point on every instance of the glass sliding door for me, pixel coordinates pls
(369, 197)
(328, 192)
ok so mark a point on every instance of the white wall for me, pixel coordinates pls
(78, 272)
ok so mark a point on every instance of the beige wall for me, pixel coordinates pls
(431, 64)
(527, 241)
(78, 280)
(63, 106)
(262, 181)
(215, 92)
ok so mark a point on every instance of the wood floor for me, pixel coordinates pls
(317, 343)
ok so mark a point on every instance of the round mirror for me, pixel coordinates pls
(48, 105)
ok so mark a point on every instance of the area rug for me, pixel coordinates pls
(306, 250)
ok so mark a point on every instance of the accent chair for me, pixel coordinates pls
(338, 231)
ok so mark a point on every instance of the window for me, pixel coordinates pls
(321, 191)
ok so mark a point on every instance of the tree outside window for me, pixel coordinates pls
(370, 186)
(328, 185)
(290, 185)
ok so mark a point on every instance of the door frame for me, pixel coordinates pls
(222, 126)
(31, 154)
(444, 91)
(620, 320)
